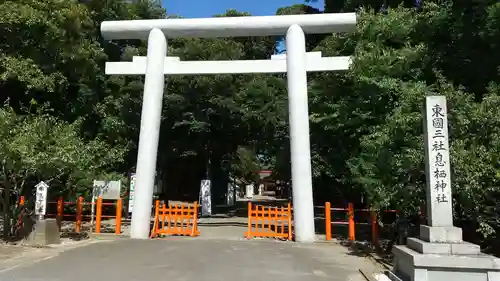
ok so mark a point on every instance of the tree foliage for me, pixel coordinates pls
(369, 120)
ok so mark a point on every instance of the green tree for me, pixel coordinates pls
(52, 61)
(40, 147)
(367, 133)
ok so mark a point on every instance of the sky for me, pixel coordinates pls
(208, 8)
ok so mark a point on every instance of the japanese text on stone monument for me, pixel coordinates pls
(439, 147)
(438, 159)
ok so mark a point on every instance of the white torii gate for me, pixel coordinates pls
(296, 63)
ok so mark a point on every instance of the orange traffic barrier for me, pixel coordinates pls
(117, 216)
(351, 223)
(176, 219)
(267, 221)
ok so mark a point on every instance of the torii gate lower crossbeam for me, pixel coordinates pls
(297, 65)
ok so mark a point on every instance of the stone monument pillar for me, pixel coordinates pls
(440, 254)
(45, 231)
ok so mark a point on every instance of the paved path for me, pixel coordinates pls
(186, 259)
(12, 256)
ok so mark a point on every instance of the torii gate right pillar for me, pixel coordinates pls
(300, 148)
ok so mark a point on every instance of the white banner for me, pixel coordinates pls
(131, 193)
(108, 190)
(41, 198)
(206, 198)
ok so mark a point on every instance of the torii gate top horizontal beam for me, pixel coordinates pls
(229, 26)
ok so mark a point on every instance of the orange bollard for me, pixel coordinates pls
(352, 230)
(195, 219)
(79, 211)
(328, 221)
(118, 226)
(60, 208)
(249, 233)
(289, 212)
(98, 215)
(157, 220)
(374, 223)
(21, 213)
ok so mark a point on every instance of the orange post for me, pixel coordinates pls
(21, 213)
(157, 219)
(289, 212)
(352, 230)
(98, 215)
(374, 223)
(181, 219)
(276, 218)
(328, 221)
(118, 226)
(249, 233)
(60, 208)
(79, 211)
(195, 219)
(270, 215)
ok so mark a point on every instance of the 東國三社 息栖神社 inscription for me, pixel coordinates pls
(438, 162)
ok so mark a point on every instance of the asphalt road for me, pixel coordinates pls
(186, 259)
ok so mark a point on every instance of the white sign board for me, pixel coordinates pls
(439, 205)
(108, 190)
(131, 193)
(41, 198)
(206, 198)
(249, 191)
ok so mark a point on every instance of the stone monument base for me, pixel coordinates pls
(410, 265)
(45, 232)
(421, 260)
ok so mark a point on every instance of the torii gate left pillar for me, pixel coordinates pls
(149, 135)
